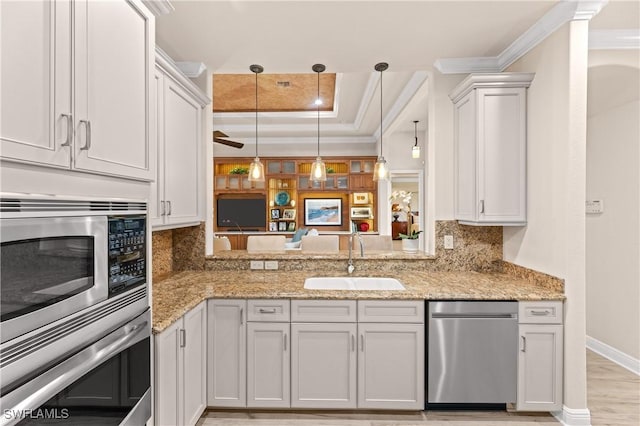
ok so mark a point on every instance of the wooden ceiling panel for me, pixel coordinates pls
(276, 92)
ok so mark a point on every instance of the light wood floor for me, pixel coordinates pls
(613, 398)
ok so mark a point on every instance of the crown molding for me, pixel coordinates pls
(159, 7)
(191, 69)
(169, 67)
(248, 129)
(502, 80)
(312, 140)
(614, 39)
(560, 14)
(366, 99)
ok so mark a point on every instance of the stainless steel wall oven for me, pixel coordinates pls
(72, 272)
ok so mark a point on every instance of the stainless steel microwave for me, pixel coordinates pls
(57, 259)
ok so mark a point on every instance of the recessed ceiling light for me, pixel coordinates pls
(318, 101)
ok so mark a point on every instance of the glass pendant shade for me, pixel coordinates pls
(415, 151)
(256, 171)
(318, 171)
(380, 170)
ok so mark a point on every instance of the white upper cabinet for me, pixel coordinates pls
(176, 194)
(76, 80)
(490, 149)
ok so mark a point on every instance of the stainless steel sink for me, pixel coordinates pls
(352, 283)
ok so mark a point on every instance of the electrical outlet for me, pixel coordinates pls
(271, 265)
(448, 242)
(257, 264)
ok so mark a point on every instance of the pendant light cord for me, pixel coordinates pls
(256, 114)
(318, 110)
(415, 132)
(380, 114)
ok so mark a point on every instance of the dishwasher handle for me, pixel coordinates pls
(440, 315)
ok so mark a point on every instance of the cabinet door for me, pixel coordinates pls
(268, 365)
(540, 368)
(227, 334)
(502, 154)
(156, 199)
(35, 76)
(466, 205)
(360, 182)
(195, 364)
(168, 375)
(181, 142)
(114, 64)
(323, 365)
(391, 366)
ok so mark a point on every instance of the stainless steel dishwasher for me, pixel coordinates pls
(472, 353)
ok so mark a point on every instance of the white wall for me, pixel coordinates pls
(554, 239)
(613, 237)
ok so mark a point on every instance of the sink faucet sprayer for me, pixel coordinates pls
(350, 267)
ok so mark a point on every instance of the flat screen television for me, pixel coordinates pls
(244, 213)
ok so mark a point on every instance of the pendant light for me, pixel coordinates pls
(380, 170)
(256, 168)
(318, 168)
(415, 151)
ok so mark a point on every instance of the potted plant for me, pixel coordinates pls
(239, 171)
(410, 241)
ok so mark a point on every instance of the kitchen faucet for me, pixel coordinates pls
(350, 267)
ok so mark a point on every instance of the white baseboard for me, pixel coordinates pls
(572, 417)
(626, 361)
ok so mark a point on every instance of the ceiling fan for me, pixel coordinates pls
(219, 137)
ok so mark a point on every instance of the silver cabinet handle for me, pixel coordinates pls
(183, 337)
(285, 342)
(540, 313)
(267, 311)
(168, 208)
(362, 342)
(353, 343)
(481, 206)
(524, 344)
(69, 118)
(87, 144)
(241, 316)
(162, 208)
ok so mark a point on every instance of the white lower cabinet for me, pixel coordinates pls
(540, 358)
(391, 366)
(268, 361)
(268, 354)
(227, 350)
(323, 365)
(180, 366)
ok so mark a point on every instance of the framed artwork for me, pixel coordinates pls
(282, 226)
(289, 214)
(275, 214)
(361, 213)
(291, 227)
(360, 198)
(273, 226)
(323, 211)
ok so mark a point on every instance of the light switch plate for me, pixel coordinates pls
(448, 242)
(257, 264)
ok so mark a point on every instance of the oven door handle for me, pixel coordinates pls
(42, 388)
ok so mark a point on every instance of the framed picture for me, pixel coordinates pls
(361, 213)
(273, 226)
(360, 198)
(323, 211)
(289, 214)
(291, 227)
(275, 214)
(282, 226)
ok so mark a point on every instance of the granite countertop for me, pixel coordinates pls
(175, 295)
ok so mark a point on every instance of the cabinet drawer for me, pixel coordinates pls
(267, 310)
(542, 312)
(323, 311)
(407, 311)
